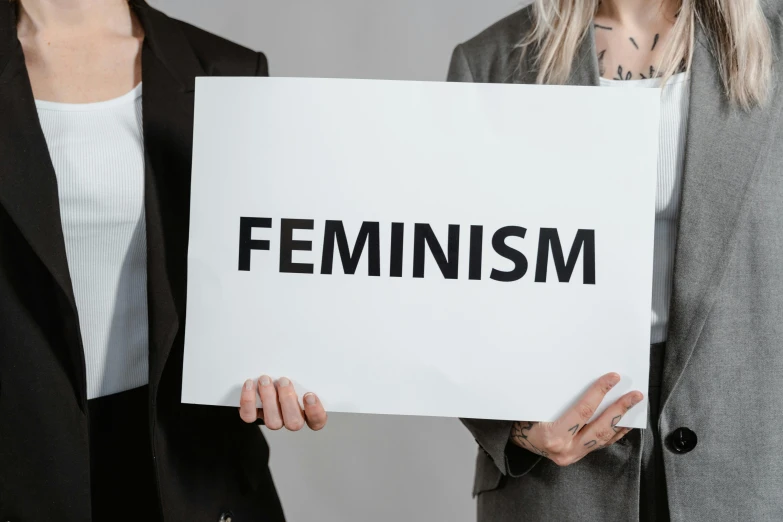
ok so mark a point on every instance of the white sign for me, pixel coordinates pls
(413, 248)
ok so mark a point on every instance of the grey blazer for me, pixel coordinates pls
(723, 372)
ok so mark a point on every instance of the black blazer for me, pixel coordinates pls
(207, 460)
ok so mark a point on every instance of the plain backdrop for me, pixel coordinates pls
(361, 468)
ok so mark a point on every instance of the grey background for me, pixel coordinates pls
(361, 468)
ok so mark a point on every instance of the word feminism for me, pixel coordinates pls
(423, 239)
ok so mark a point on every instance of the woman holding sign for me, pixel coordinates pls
(94, 207)
(715, 393)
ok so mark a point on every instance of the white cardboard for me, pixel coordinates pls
(419, 152)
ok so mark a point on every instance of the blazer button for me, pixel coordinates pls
(226, 517)
(681, 440)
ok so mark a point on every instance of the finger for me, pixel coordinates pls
(619, 435)
(271, 409)
(579, 415)
(315, 415)
(289, 404)
(602, 430)
(247, 403)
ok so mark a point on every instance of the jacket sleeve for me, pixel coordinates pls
(493, 437)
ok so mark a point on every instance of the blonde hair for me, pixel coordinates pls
(737, 31)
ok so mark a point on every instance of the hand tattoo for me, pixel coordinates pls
(590, 444)
(634, 43)
(605, 28)
(574, 429)
(615, 421)
(520, 436)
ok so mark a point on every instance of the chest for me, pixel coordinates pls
(672, 139)
(98, 156)
(78, 70)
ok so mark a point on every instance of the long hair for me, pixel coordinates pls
(737, 31)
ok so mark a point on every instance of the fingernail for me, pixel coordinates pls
(283, 382)
(636, 400)
(614, 379)
(249, 384)
(265, 380)
(310, 399)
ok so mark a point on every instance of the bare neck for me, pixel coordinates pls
(84, 16)
(638, 12)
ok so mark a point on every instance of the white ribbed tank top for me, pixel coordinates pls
(97, 150)
(671, 153)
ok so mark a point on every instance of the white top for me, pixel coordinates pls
(97, 150)
(674, 116)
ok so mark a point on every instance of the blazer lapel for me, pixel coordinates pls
(28, 185)
(726, 150)
(169, 68)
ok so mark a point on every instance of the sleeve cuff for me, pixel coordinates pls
(493, 437)
(519, 461)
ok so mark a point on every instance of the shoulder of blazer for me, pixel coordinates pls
(222, 57)
(494, 54)
(174, 41)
